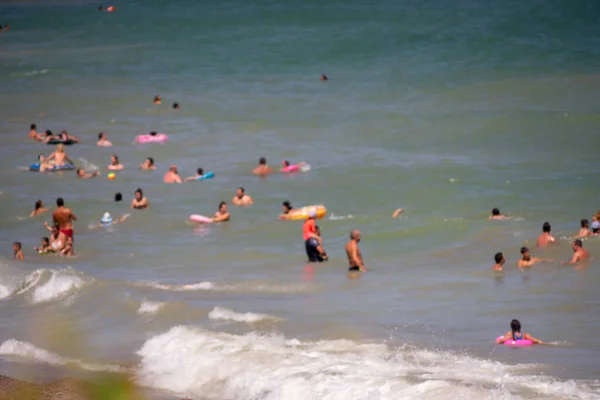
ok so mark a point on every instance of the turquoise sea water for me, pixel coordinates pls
(444, 109)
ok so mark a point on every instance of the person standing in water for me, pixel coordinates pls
(222, 215)
(579, 253)
(18, 253)
(63, 217)
(172, 176)
(309, 230)
(38, 209)
(499, 266)
(546, 238)
(355, 259)
(263, 168)
(527, 261)
(139, 202)
(516, 334)
(241, 198)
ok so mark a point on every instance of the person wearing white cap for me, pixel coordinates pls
(309, 231)
(107, 220)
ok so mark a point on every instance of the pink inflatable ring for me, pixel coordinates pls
(158, 138)
(515, 343)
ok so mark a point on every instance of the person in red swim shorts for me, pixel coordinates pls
(63, 217)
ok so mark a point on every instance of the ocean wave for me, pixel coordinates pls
(45, 285)
(150, 307)
(243, 287)
(225, 314)
(215, 365)
(27, 351)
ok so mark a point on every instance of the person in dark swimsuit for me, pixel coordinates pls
(516, 334)
(314, 250)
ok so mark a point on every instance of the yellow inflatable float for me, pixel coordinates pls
(302, 213)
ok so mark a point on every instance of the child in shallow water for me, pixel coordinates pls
(516, 334)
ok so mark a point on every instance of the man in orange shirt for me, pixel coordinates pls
(309, 233)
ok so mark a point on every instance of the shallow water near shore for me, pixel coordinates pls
(444, 110)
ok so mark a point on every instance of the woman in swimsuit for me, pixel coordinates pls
(287, 209)
(64, 136)
(115, 165)
(516, 334)
(39, 209)
(139, 202)
(58, 158)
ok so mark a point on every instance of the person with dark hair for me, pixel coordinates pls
(157, 99)
(18, 253)
(38, 209)
(139, 202)
(63, 217)
(222, 215)
(64, 136)
(241, 198)
(103, 140)
(263, 168)
(499, 258)
(45, 247)
(199, 174)
(546, 238)
(57, 238)
(118, 197)
(68, 250)
(148, 164)
(33, 133)
(81, 174)
(579, 253)
(585, 230)
(176, 106)
(496, 215)
(287, 208)
(527, 261)
(115, 165)
(516, 334)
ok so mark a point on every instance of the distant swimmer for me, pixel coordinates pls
(546, 238)
(355, 259)
(499, 266)
(107, 220)
(585, 230)
(497, 216)
(222, 215)
(527, 261)
(59, 157)
(579, 253)
(115, 165)
(263, 168)
(44, 247)
(172, 176)
(199, 174)
(516, 334)
(81, 174)
(286, 166)
(397, 212)
(33, 133)
(157, 100)
(48, 136)
(176, 106)
(38, 209)
(241, 198)
(57, 238)
(148, 164)
(324, 77)
(103, 140)
(100, 8)
(139, 202)
(118, 197)
(287, 208)
(110, 9)
(63, 217)
(18, 253)
(314, 248)
(596, 224)
(64, 136)
(68, 250)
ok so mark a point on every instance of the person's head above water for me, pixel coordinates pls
(355, 235)
(45, 241)
(286, 163)
(546, 227)
(223, 206)
(114, 160)
(64, 135)
(101, 136)
(585, 223)
(499, 258)
(139, 194)
(200, 171)
(287, 206)
(80, 172)
(157, 99)
(173, 168)
(262, 161)
(495, 211)
(525, 252)
(48, 132)
(515, 326)
(324, 77)
(240, 192)
(60, 202)
(39, 204)
(32, 127)
(60, 148)
(106, 218)
(152, 133)
(175, 106)
(150, 161)
(118, 197)
(577, 243)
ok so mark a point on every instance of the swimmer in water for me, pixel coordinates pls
(176, 106)
(585, 230)
(59, 157)
(287, 208)
(45, 247)
(496, 216)
(38, 209)
(286, 164)
(115, 165)
(64, 136)
(516, 334)
(157, 100)
(18, 253)
(527, 261)
(324, 77)
(148, 164)
(596, 224)
(241, 198)
(355, 259)
(222, 215)
(33, 133)
(263, 168)
(172, 176)
(107, 220)
(57, 238)
(103, 140)
(118, 197)
(314, 249)
(81, 174)
(68, 250)
(579, 253)
(546, 238)
(199, 174)
(49, 136)
(397, 212)
(139, 202)
(499, 266)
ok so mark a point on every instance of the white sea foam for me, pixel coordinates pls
(243, 287)
(214, 365)
(24, 351)
(60, 284)
(334, 217)
(225, 314)
(150, 307)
